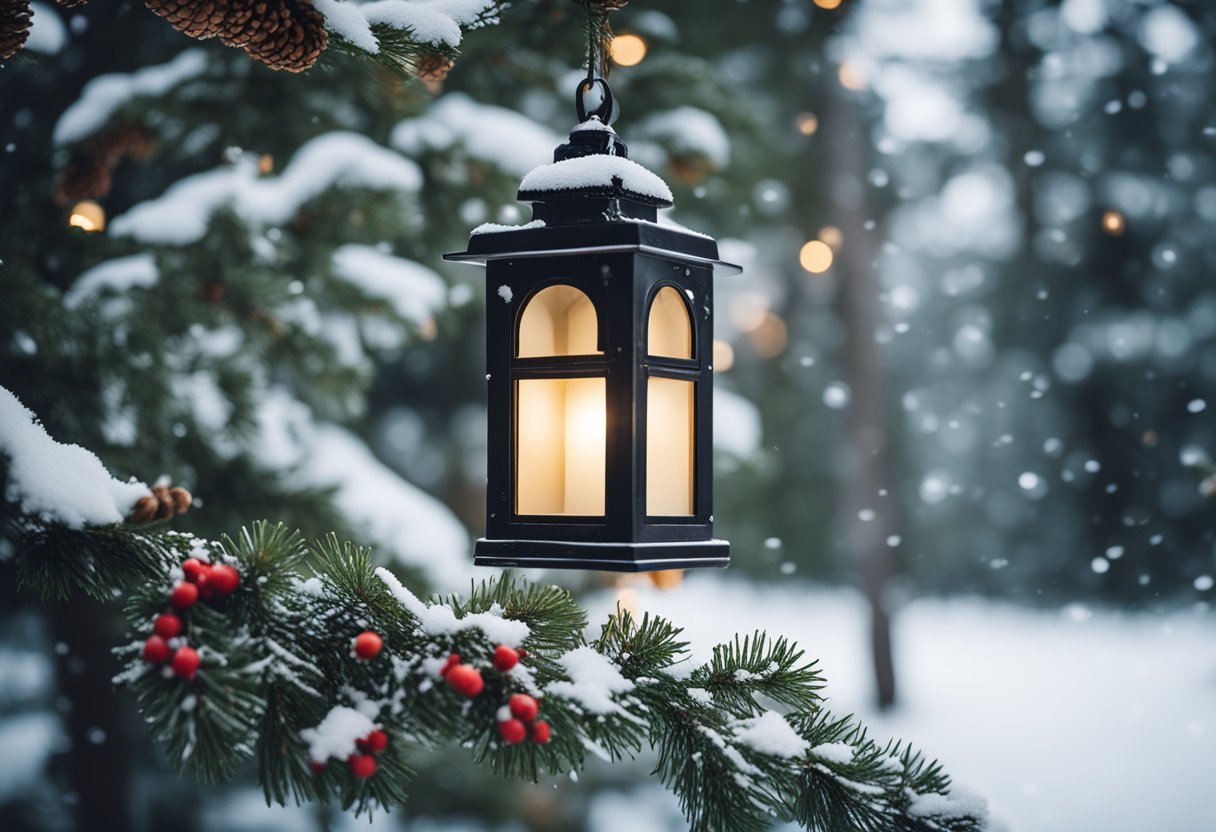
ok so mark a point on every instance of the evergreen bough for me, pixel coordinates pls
(276, 658)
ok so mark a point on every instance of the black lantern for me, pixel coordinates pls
(599, 335)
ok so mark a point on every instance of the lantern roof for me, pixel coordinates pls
(593, 199)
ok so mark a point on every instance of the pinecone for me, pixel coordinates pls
(70, 4)
(14, 26)
(290, 36)
(88, 174)
(199, 19)
(130, 138)
(434, 67)
(84, 177)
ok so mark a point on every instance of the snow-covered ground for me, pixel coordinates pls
(1065, 720)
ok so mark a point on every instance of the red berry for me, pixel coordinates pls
(505, 657)
(453, 660)
(466, 679)
(375, 742)
(512, 731)
(362, 765)
(540, 732)
(317, 766)
(167, 625)
(192, 568)
(368, 644)
(183, 596)
(185, 662)
(223, 579)
(156, 649)
(523, 706)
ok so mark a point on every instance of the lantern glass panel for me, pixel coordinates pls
(558, 320)
(669, 329)
(560, 442)
(669, 446)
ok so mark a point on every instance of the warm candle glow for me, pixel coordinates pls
(827, 4)
(816, 257)
(560, 446)
(627, 50)
(88, 215)
(669, 447)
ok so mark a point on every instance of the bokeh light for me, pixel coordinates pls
(816, 257)
(88, 215)
(627, 50)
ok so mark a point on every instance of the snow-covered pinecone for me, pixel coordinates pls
(70, 4)
(14, 26)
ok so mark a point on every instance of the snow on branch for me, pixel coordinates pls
(511, 142)
(338, 159)
(435, 23)
(441, 619)
(412, 290)
(106, 94)
(400, 517)
(56, 482)
(113, 277)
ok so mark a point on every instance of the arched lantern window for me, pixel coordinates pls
(600, 399)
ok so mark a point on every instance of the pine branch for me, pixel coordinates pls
(280, 679)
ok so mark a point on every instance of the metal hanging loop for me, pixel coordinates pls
(604, 111)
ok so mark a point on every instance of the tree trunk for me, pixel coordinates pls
(100, 758)
(855, 269)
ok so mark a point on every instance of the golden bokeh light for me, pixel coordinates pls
(852, 77)
(627, 50)
(724, 356)
(807, 123)
(88, 215)
(831, 235)
(816, 257)
(1113, 223)
(770, 338)
(265, 164)
(828, 4)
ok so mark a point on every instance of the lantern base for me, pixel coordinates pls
(605, 557)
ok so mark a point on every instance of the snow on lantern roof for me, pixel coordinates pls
(594, 123)
(595, 175)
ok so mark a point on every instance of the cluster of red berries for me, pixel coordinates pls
(518, 717)
(362, 763)
(517, 721)
(202, 580)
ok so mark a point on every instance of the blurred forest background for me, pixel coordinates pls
(972, 356)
